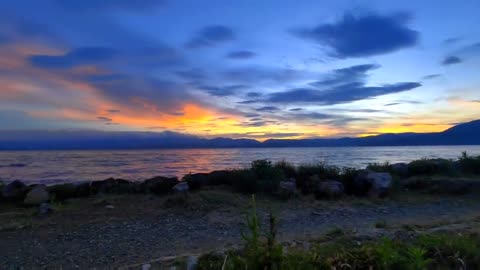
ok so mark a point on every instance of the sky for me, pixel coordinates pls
(239, 69)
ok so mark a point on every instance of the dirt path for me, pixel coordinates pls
(87, 234)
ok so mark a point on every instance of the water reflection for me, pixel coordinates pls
(71, 166)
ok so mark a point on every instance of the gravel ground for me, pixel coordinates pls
(86, 234)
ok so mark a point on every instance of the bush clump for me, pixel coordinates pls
(379, 167)
(262, 176)
(469, 164)
(430, 167)
(308, 174)
(286, 168)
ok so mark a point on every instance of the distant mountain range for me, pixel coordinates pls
(462, 134)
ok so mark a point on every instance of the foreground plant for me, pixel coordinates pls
(262, 252)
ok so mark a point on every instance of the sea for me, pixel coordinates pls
(51, 167)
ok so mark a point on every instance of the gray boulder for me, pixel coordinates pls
(287, 188)
(45, 209)
(14, 191)
(375, 184)
(400, 169)
(37, 195)
(111, 185)
(197, 180)
(62, 192)
(181, 187)
(159, 184)
(220, 177)
(330, 189)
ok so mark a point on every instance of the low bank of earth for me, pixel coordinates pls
(111, 231)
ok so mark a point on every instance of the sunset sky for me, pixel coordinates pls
(241, 69)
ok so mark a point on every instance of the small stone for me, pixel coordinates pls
(109, 206)
(146, 266)
(45, 209)
(181, 187)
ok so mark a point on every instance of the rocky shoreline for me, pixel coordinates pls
(280, 179)
(116, 223)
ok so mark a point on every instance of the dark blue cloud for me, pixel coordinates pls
(75, 57)
(96, 5)
(340, 86)
(254, 94)
(250, 115)
(451, 60)
(452, 40)
(431, 76)
(210, 36)
(346, 75)
(323, 118)
(339, 94)
(261, 74)
(139, 58)
(397, 102)
(223, 91)
(357, 110)
(250, 101)
(241, 55)
(192, 74)
(268, 109)
(134, 91)
(363, 35)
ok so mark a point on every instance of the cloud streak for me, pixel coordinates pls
(210, 36)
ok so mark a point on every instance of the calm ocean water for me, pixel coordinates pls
(72, 166)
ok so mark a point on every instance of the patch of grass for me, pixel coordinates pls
(210, 261)
(221, 198)
(381, 224)
(335, 232)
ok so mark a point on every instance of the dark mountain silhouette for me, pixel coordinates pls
(462, 134)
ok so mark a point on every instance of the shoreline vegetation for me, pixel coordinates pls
(280, 179)
(310, 197)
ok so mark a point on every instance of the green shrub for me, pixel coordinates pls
(430, 167)
(210, 261)
(261, 177)
(379, 167)
(454, 251)
(381, 224)
(469, 164)
(261, 250)
(348, 179)
(320, 170)
(286, 168)
(244, 180)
